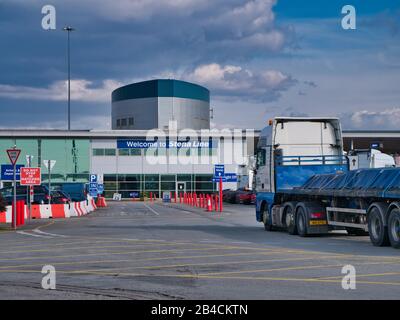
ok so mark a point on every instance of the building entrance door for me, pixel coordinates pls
(181, 187)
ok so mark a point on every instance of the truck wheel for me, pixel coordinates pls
(266, 220)
(394, 228)
(301, 222)
(290, 221)
(378, 233)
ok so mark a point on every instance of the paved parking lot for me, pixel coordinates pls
(136, 250)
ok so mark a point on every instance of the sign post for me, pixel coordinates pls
(49, 164)
(29, 188)
(219, 173)
(13, 155)
(30, 177)
(220, 194)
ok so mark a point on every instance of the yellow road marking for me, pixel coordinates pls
(367, 275)
(294, 268)
(94, 247)
(198, 277)
(120, 253)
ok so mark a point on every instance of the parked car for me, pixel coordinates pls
(245, 196)
(40, 194)
(60, 197)
(228, 195)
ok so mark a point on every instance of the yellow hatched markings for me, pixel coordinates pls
(127, 253)
(96, 247)
(170, 258)
(216, 277)
(136, 260)
(366, 275)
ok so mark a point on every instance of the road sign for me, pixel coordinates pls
(219, 170)
(100, 178)
(93, 178)
(376, 145)
(49, 162)
(29, 160)
(7, 172)
(228, 177)
(93, 192)
(100, 188)
(13, 155)
(31, 177)
(93, 185)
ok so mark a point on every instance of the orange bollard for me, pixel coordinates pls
(209, 205)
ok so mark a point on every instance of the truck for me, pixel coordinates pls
(304, 184)
(370, 158)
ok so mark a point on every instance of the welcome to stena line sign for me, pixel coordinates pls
(145, 144)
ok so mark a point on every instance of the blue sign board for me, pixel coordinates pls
(93, 178)
(375, 145)
(228, 177)
(145, 144)
(134, 194)
(100, 188)
(7, 172)
(219, 170)
(93, 185)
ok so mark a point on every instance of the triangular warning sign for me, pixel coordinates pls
(13, 155)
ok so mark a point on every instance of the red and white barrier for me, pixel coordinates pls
(53, 211)
(6, 217)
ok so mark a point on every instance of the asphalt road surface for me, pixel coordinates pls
(136, 250)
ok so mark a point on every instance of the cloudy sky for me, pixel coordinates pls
(259, 58)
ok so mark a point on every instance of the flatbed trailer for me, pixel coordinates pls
(309, 194)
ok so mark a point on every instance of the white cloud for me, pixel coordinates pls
(81, 90)
(235, 81)
(383, 120)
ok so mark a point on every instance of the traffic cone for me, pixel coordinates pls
(209, 206)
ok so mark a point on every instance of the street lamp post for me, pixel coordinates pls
(69, 30)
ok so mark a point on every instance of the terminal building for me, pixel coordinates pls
(184, 159)
(185, 150)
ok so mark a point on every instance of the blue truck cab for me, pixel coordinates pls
(304, 185)
(290, 151)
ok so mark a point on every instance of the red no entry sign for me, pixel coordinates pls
(30, 177)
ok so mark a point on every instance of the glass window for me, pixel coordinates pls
(72, 158)
(109, 152)
(98, 152)
(123, 122)
(118, 123)
(136, 152)
(130, 121)
(123, 152)
(261, 155)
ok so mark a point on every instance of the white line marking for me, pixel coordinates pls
(151, 209)
(32, 235)
(49, 234)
